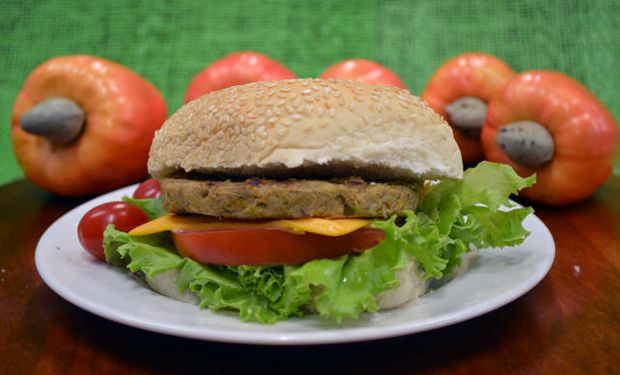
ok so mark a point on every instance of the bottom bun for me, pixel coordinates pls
(166, 284)
(411, 285)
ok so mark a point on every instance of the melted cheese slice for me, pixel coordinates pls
(325, 227)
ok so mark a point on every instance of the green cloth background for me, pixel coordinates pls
(170, 41)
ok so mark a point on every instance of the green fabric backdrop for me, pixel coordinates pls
(169, 41)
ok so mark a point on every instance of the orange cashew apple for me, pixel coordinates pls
(83, 125)
(236, 69)
(460, 90)
(362, 70)
(547, 123)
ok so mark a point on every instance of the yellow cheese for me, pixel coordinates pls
(326, 227)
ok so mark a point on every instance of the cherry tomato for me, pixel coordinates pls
(266, 246)
(364, 71)
(124, 216)
(150, 188)
(236, 69)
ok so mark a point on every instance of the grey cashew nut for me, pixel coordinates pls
(527, 143)
(58, 119)
(467, 114)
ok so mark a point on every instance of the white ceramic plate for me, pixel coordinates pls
(495, 278)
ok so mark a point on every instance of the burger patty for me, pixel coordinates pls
(270, 199)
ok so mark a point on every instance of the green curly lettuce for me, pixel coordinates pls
(453, 217)
(153, 208)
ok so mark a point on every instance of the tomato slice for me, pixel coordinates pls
(267, 246)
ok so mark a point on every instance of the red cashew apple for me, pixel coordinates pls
(83, 125)
(236, 69)
(460, 90)
(547, 123)
(364, 71)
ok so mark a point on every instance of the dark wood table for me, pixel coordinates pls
(569, 323)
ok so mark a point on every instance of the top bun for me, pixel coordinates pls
(298, 127)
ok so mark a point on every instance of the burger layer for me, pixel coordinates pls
(288, 125)
(258, 198)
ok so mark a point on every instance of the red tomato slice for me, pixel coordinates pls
(266, 246)
(364, 71)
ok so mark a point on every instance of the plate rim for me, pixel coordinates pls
(336, 336)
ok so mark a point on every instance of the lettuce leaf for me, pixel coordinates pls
(454, 216)
(152, 207)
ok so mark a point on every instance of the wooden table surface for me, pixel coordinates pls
(569, 323)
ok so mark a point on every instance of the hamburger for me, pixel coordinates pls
(303, 196)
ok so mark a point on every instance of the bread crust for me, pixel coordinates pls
(262, 126)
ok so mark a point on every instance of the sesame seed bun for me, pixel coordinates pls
(266, 128)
